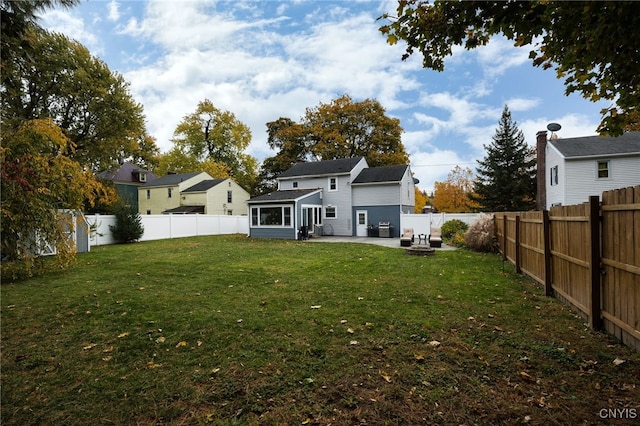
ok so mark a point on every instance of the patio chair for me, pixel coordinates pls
(435, 237)
(406, 239)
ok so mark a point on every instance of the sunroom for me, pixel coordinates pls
(290, 214)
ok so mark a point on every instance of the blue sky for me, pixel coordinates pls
(263, 60)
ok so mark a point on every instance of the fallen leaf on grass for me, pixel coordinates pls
(180, 344)
(121, 335)
(152, 364)
(90, 346)
(160, 339)
(316, 307)
(350, 330)
(354, 342)
(618, 361)
(526, 377)
(434, 343)
(385, 376)
(418, 357)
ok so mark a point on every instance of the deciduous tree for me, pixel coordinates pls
(210, 133)
(506, 177)
(58, 78)
(592, 45)
(39, 179)
(454, 194)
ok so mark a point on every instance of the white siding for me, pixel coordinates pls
(376, 195)
(582, 178)
(555, 193)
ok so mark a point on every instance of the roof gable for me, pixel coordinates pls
(326, 167)
(381, 174)
(205, 185)
(590, 146)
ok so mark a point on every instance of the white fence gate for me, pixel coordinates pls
(162, 226)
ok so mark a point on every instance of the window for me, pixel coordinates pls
(603, 169)
(330, 212)
(230, 212)
(148, 211)
(554, 175)
(295, 184)
(142, 177)
(229, 196)
(333, 184)
(148, 194)
(168, 192)
(271, 216)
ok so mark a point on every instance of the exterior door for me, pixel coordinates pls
(361, 223)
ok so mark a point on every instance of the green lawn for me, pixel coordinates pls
(229, 330)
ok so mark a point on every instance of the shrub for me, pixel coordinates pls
(452, 227)
(481, 235)
(128, 227)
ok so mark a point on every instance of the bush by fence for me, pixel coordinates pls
(587, 255)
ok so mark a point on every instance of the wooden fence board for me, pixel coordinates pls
(588, 255)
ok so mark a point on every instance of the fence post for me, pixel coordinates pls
(517, 255)
(595, 313)
(504, 237)
(546, 230)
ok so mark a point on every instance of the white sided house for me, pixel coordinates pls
(334, 197)
(570, 170)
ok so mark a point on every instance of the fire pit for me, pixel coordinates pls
(420, 251)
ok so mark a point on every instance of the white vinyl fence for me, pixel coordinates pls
(163, 226)
(422, 223)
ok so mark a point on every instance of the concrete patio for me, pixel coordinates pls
(385, 242)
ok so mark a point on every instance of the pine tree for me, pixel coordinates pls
(128, 227)
(506, 177)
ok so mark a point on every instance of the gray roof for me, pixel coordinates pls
(204, 185)
(125, 172)
(327, 167)
(590, 146)
(381, 174)
(172, 179)
(288, 195)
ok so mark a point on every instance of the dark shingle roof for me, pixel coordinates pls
(172, 179)
(204, 185)
(628, 143)
(186, 210)
(327, 167)
(124, 173)
(288, 195)
(381, 174)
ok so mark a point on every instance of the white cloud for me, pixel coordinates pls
(114, 13)
(62, 21)
(499, 55)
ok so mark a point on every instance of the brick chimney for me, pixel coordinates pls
(541, 149)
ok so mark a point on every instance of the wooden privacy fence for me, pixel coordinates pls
(587, 255)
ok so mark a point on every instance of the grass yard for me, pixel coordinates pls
(227, 330)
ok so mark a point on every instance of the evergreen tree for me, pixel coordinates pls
(506, 177)
(128, 227)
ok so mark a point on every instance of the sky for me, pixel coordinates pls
(262, 60)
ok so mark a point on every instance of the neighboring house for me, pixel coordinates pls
(127, 179)
(333, 197)
(570, 170)
(213, 196)
(190, 193)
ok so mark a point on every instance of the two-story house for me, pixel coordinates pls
(333, 197)
(189, 193)
(570, 170)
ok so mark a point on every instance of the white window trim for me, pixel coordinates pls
(608, 162)
(329, 184)
(282, 206)
(335, 208)
(551, 176)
